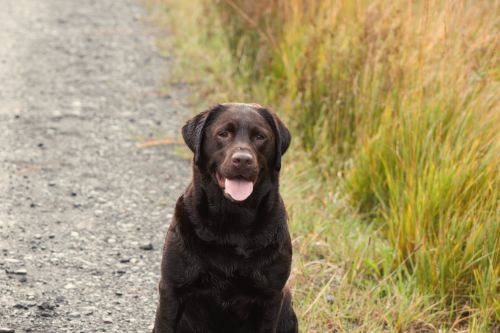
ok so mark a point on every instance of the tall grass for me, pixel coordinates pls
(407, 91)
(395, 113)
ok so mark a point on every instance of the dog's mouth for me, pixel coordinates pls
(236, 188)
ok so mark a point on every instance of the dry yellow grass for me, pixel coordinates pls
(394, 205)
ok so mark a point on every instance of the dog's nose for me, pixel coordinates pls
(242, 159)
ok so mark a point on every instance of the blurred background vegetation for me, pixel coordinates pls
(393, 180)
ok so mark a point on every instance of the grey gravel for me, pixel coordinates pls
(81, 84)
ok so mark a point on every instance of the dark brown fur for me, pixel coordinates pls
(225, 263)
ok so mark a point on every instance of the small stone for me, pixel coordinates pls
(38, 236)
(46, 306)
(74, 234)
(88, 310)
(51, 236)
(107, 320)
(46, 314)
(21, 271)
(7, 330)
(74, 315)
(118, 293)
(98, 213)
(54, 260)
(21, 306)
(73, 194)
(111, 240)
(329, 299)
(146, 247)
(70, 286)
(124, 260)
(23, 279)
(12, 261)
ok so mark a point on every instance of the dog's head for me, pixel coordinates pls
(237, 146)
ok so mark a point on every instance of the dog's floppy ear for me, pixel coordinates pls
(281, 134)
(194, 129)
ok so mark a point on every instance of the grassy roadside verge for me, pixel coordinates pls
(349, 275)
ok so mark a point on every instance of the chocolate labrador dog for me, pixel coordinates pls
(227, 253)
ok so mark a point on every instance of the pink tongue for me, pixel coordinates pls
(239, 190)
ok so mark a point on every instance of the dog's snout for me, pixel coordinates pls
(242, 159)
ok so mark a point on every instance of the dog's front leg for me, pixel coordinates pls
(168, 311)
(271, 313)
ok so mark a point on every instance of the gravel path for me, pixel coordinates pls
(83, 210)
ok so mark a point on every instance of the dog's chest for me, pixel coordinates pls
(240, 285)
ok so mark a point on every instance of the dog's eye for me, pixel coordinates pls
(260, 137)
(223, 134)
